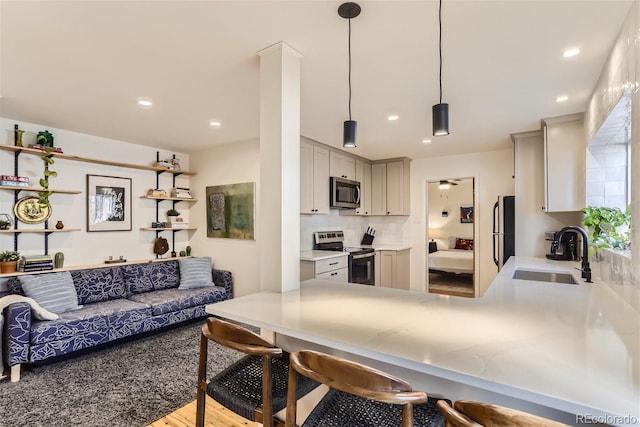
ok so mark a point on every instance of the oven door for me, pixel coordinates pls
(362, 269)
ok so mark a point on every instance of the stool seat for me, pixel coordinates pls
(338, 408)
(239, 386)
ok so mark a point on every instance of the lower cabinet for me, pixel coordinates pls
(335, 269)
(394, 269)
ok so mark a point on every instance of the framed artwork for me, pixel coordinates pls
(466, 214)
(108, 203)
(231, 211)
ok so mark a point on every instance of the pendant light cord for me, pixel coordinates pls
(439, 46)
(349, 68)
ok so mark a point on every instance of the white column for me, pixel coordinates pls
(279, 168)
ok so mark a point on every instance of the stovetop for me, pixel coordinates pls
(334, 241)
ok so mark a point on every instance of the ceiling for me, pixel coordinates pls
(81, 65)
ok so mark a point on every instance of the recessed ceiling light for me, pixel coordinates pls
(570, 52)
(393, 118)
(215, 123)
(562, 98)
(145, 102)
(426, 141)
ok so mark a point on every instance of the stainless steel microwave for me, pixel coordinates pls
(345, 194)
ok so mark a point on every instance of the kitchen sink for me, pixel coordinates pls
(545, 276)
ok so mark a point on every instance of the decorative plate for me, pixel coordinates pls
(28, 210)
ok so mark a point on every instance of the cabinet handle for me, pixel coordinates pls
(333, 263)
(334, 274)
(388, 212)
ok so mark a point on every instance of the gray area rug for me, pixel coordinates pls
(131, 384)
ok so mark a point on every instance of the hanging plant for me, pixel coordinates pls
(43, 195)
(603, 223)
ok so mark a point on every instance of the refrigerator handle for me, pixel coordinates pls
(495, 216)
(495, 258)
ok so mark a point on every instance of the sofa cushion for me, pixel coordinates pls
(85, 321)
(54, 291)
(195, 273)
(151, 276)
(169, 300)
(98, 284)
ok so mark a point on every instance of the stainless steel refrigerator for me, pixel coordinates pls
(504, 230)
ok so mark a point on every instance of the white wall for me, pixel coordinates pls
(228, 164)
(493, 177)
(82, 247)
(449, 200)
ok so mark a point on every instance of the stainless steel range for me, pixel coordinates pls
(361, 260)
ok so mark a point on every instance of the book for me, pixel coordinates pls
(14, 178)
(31, 269)
(14, 183)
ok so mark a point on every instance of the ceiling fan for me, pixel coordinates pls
(445, 184)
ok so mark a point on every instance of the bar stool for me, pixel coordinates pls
(255, 386)
(489, 415)
(358, 395)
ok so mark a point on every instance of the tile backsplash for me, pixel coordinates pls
(391, 230)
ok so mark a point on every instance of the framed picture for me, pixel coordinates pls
(230, 211)
(108, 203)
(466, 214)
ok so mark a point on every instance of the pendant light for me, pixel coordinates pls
(440, 112)
(348, 11)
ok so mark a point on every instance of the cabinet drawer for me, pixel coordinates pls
(331, 264)
(341, 275)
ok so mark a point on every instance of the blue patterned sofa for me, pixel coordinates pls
(117, 302)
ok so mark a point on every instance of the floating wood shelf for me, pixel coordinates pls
(92, 160)
(38, 189)
(167, 229)
(39, 230)
(175, 199)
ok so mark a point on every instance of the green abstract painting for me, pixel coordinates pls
(230, 211)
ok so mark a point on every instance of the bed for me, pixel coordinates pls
(458, 260)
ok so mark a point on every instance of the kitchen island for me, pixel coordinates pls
(568, 352)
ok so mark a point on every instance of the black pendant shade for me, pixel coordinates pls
(349, 136)
(440, 119)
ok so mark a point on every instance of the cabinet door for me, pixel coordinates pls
(564, 155)
(341, 275)
(306, 178)
(321, 180)
(395, 188)
(379, 189)
(401, 271)
(387, 268)
(342, 166)
(365, 187)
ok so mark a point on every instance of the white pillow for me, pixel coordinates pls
(54, 291)
(195, 272)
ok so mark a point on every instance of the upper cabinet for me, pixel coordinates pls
(314, 179)
(363, 176)
(564, 162)
(342, 166)
(390, 186)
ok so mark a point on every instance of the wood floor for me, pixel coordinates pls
(451, 284)
(216, 416)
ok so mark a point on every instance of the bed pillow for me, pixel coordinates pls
(466, 244)
(54, 291)
(195, 273)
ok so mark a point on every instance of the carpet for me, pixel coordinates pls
(129, 384)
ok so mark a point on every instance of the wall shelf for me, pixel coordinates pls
(41, 153)
(167, 229)
(38, 189)
(39, 230)
(175, 199)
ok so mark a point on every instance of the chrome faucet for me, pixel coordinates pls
(586, 270)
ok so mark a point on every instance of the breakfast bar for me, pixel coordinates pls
(567, 352)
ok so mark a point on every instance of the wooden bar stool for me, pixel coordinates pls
(254, 387)
(359, 396)
(466, 413)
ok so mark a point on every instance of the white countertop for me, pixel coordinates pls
(574, 348)
(386, 247)
(318, 255)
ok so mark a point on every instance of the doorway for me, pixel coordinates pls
(450, 239)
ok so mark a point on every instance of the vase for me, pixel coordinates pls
(8, 266)
(59, 225)
(188, 250)
(58, 260)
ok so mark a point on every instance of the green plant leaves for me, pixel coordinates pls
(603, 223)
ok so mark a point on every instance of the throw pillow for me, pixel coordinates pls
(54, 291)
(195, 273)
(466, 244)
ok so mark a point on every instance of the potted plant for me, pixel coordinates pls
(173, 215)
(9, 261)
(43, 195)
(608, 227)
